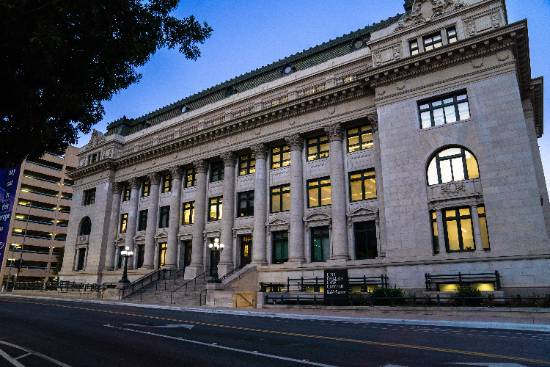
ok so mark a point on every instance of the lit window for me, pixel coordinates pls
(432, 42)
(280, 156)
(362, 185)
(123, 222)
(444, 110)
(216, 171)
(245, 202)
(280, 198)
(247, 164)
(163, 249)
(164, 216)
(483, 227)
(359, 138)
(452, 164)
(215, 208)
(166, 183)
(190, 176)
(459, 233)
(413, 47)
(317, 148)
(451, 35)
(188, 213)
(435, 232)
(318, 192)
(126, 192)
(145, 188)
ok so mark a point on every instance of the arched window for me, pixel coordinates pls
(85, 226)
(452, 164)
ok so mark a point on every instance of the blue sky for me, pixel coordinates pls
(251, 33)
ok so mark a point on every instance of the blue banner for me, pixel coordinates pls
(8, 188)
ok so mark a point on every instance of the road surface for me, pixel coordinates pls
(37, 332)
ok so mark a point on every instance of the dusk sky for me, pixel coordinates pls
(251, 33)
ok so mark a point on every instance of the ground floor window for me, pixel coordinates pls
(163, 247)
(320, 244)
(187, 245)
(459, 233)
(246, 249)
(80, 257)
(435, 232)
(140, 255)
(366, 244)
(280, 246)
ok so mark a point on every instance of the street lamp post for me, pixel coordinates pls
(126, 253)
(216, 247)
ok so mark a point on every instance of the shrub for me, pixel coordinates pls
(387, 296)
(467, 296)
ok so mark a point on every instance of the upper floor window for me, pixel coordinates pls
(432, 41)
(459, 232)
(413, 47)
(142, 220)
(444, 110)
(188, 213)
(245, 204)
(452, 164)
(483, 229)
(85, 226)
(126, 192)
(145, 188)
(435, 232)
(318, 192)
(280, 156)
(452, 37)
(280, 198)
(362, 185)
(123, 222)
(247, 164)
(164, 216)
(359, 138)
(166, 183)
(216, 171)
(215, 208)
(189, 177)
(317, 148)
(89, 197)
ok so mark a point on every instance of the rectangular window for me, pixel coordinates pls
(459, 233)
(163, 248)
(280, 156)
(140, 255)
(245, 202)
(317, 148)
(89, 197)
(123, 222)
(247, 164)
(432, 41)
(413, 47)
(166, 183)
(164, 216)
(366, 243)
(188, 213)
(216, 171)
(142, 220)
(444, 110)
(362, 185)
(190, 176)
(452, 37)
(81, 257)
(435, 232)
(188, 247)
(145, 188)
(215, 208)
(280, 198)
(486, 245)
(359, 138)
(126, 191)
(280, 246)
(320, 244)
(318, 192)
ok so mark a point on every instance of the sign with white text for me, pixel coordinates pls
(336, 286)
(8, 188)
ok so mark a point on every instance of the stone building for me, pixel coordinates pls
(403, 148)
(39, 219)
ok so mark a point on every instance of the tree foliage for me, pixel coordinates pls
(60, 59)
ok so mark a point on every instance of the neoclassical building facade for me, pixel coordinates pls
(404, 148)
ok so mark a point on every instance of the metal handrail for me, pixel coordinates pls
(140, 283)
(194, 281)
(462, 278)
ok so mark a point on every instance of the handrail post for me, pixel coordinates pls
(460, 279)
(497, 276)
(288, 284)
(302, 284)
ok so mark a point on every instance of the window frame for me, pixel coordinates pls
(450, 158)
(164, 216)
(246, 210)
(126, 192)
(458, 218)
(166, 183)
(435, 232)
(88, 197)
(317, 185)
(482, 219)
(142, 220)
(362, 130)
(313, 231)
(432, 43)
(216, 171)
(317, 142)
(281, 161)
(190, 177)
(123, 223)
(283, 189)
(275, 242)
(365, 175)
(217, 202)
(188, 213)
(450, 36)
(414, 50)
(247, 164)
(441, 105)
(145, 188)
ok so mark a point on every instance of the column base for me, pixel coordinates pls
(224, 269)
(148, 267)
(296, 261)
(339, 258)
(192, 271)
(259, 262)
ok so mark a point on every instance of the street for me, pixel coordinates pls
(36, 332)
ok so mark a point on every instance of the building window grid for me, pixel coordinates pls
(452, 164)
(280, 198)
(444, 110)
(280, 156)
(413, 47)
(459, 232)
(126, 192)
(188, 213)
(359, 138)
(190, 176)
(89, 197)
(142, 220)
(215, 205)
(279, 240)
(318, 192)
(435, 232)
(317, 148)
(452, 36)
(164, 216)
(432, 41)
(483, 228)
(247, 164)
(245, 202)
(166, 183)
(362, 185)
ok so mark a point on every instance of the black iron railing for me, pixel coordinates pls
(155, 276)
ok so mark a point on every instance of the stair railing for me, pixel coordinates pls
(144, 281)
(187, 284)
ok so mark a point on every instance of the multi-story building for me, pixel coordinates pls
(404, 148)
(39, 219)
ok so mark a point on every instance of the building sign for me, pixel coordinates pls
(8, 188)
(336, 286)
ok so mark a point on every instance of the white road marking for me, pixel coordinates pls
(15, 362)
(169, 326)
(485, 364)
(24, 355)
(8, 358)
(214, 345)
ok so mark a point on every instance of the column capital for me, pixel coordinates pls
(176, 171)
(200, 166)
(260, 150)
(117, 187)
(373, 120)
(334, 132)
(228, 158)
(154, 178)
(135, 182)
(295, 142)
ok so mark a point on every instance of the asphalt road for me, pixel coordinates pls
(57, 333)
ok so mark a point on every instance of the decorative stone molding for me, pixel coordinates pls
(260, 150)
(484, 21)
(201, 166)
(334, 132)
(387, 54)
(314, 219)
(176, 171)
(117, 188)
(96, 140)
(361, 214)
(135, 182)
(423, 11)
(295, 142)
(228, 159)
(454, 190)
(154, 178)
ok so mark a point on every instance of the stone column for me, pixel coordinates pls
(296, 235)
(340, 247)
(132, 217)
(440, 231)
(260, 209)
(228, 214)
(152, 215)
(174, 219)
(477, 231)
(196, 267)
(113, 227)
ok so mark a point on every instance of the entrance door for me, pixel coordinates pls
(163, 247)
(246, 250)
(214, 260)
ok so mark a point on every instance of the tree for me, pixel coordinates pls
(60, 59)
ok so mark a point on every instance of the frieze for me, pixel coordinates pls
(424, 11)
(453, 190)
(483, 22)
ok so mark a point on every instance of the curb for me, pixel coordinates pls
(293, 316)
